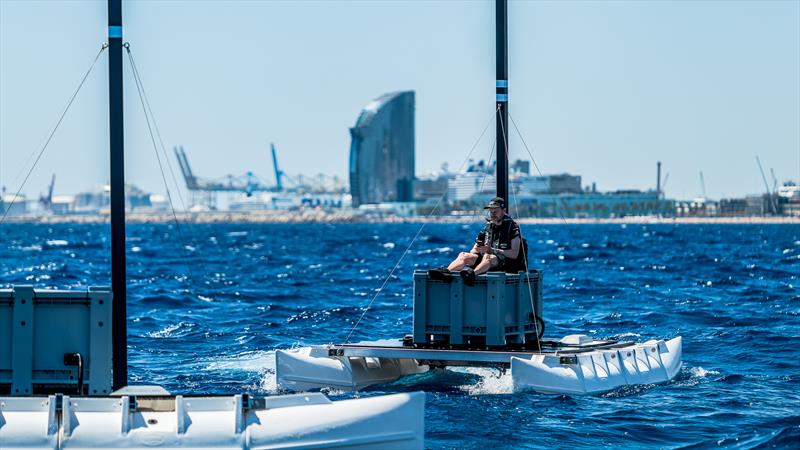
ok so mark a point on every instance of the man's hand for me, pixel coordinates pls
(485, 249)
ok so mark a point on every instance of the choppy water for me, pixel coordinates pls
(208, 305)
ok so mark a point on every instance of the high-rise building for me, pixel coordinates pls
(382, 151)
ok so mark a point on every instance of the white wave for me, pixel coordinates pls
(254, 361)
(166, 331)
(699, 372)
(628, 335)
(492, 381)
(57, 242)
(260, 361)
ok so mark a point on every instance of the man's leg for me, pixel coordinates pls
(489, 262)
(464, 259)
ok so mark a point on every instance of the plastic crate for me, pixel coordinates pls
(498, 311)
(38, 328)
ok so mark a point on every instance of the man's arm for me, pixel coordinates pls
(513, 252)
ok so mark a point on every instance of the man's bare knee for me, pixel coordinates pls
(494, 261)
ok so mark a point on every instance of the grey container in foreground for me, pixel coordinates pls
(500, 310)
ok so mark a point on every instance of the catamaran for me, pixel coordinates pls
(495, 322)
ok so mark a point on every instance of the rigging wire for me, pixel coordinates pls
(525, 144)
(156, 127)
(405, 252)
(50, 137)
(148, 119)
(525, 259)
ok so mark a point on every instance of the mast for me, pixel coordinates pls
(119, 323)
(501, 85)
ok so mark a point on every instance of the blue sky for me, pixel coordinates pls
(601, 89)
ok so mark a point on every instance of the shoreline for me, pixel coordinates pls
(341, 217)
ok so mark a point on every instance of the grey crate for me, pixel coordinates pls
(37, 327)
(495, 312)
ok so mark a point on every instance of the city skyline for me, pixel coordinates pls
(601, 90)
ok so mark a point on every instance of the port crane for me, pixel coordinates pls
(204, 190)
(46, 200)
(248, 183)
(771, 201)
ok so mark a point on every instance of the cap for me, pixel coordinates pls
(496, 202)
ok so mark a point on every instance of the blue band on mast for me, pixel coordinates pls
(501, 83)
(502, 97)
(115, 31)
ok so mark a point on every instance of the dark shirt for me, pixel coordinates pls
(500, 236)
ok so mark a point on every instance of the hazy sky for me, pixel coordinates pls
(601, 89)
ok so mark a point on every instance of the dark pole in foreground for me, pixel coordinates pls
(501, 45)
(119, 314)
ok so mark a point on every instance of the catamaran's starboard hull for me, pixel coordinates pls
(598, 371)
(571, 370)
(284, 422)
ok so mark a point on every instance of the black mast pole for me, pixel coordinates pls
(501, 46)
(119, 323)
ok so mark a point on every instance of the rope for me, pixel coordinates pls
(155, 125)
(405, 252)
(148, 118)
(536, 166)
(525, 260)
(50, 137)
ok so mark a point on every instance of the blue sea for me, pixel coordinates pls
(208, 304)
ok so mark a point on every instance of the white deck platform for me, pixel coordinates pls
(571, 366)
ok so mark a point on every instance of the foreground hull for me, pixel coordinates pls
(590, 368)
(296, 421)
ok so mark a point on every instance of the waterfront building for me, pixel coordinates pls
(732, 207)
(431, 189)
(465, 187)
(99, 200)
(382, 151)
(547, 184)
(788, 199)
(11, 206)
(593, 205)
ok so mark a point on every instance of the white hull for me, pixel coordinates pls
(572, 370)
(311, 368)
(599, 371)
(309, 421)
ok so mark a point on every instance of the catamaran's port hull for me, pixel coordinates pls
(592, 368)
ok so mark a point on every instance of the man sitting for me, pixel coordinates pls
(496, 248)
